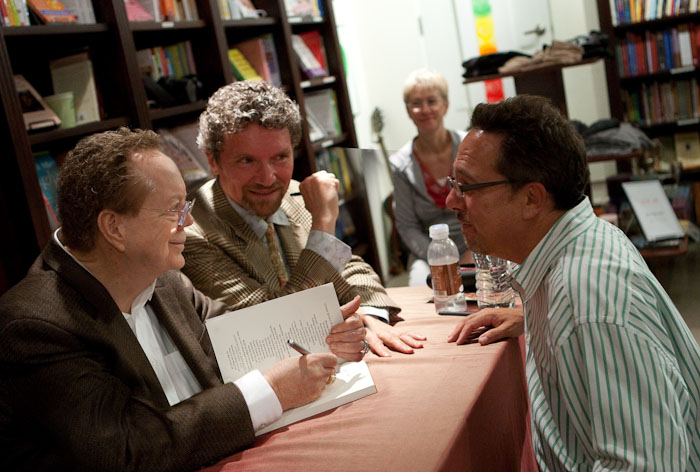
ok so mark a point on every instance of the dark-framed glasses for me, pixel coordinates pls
(181, 212)
(461, 189)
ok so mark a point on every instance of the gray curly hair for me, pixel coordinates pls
(233, 107)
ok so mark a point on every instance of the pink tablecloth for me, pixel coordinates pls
(446, 407)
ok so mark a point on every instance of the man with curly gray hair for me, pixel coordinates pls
(258, 234)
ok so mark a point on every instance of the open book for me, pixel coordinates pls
(256, 338)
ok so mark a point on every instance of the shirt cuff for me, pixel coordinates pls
(332, 249)
(380, 313)
(263, 405)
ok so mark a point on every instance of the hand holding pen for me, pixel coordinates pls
(304, 352)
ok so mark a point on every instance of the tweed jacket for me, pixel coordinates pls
(78, 392)
(228, 262)
(415, 211)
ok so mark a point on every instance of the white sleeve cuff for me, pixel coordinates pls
(263, 404)
(381, 313)
(332, 249)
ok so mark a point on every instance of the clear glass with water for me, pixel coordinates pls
(493, 287)
(443, 258)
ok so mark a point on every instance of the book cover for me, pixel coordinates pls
(256, 338)
(51, 11)
(190, 168)
(271, 58)
(47, 172)
(345, 169)
(136, 12)
(75, 74)
(322, 105)
(301, 8)
(82, 9)
(306, 59)
(187, 133)
(685, 49)
(35, 111)
(314, 42)
(241, 67)
(254, 51)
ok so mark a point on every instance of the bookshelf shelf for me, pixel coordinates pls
(55, 29)
(165, 25)
(78, 131)
(664, 22)
(303, 21)
(113, 43)
(250, 22)
(163, 113)
(661, 75)
(329, 142)
(317, 82)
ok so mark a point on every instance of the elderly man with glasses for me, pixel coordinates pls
(105, 361)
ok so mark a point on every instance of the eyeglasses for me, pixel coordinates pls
(461, 189)
(182, 213)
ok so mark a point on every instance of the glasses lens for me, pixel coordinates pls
(186, 208)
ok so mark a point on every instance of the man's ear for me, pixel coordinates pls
(537, 200)
(213, 165)
(109, 224)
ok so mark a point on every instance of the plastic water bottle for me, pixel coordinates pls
(493, 287)
(443, 258)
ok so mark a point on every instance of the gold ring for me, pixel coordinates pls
(330, 380)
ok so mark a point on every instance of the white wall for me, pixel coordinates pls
(585, 86)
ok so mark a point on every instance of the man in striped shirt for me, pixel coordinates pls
(613, 371)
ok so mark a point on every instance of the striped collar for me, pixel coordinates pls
(527, 278)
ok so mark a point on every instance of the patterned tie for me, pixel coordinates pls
(276, 255)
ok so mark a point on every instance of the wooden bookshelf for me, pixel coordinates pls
(112, 44)
(632, 94)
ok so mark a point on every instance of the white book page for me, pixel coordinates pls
(352, 381)
(256, 337)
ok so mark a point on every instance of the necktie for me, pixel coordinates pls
(276, 255)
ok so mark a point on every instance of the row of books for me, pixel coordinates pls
(26, 12)
(175, 61)
(655, 51)
(303, 9)
(335, 161)
(256, 59)
(161, 10)
(634, 11)
(662, 102)
(180, 144)
(310, 53)
(322, 114)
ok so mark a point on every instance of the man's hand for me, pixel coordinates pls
(506, 322)
(346, 338)
(320, 192)
(380, 335)
(299, 380)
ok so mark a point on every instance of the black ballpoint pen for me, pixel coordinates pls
(295, 194)
(298, 348)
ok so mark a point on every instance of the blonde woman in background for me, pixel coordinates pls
(420, 170)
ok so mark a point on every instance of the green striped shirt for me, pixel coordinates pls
(612, 370)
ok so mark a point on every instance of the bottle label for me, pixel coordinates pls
(446, 279)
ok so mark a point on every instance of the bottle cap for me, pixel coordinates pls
(440, 231)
